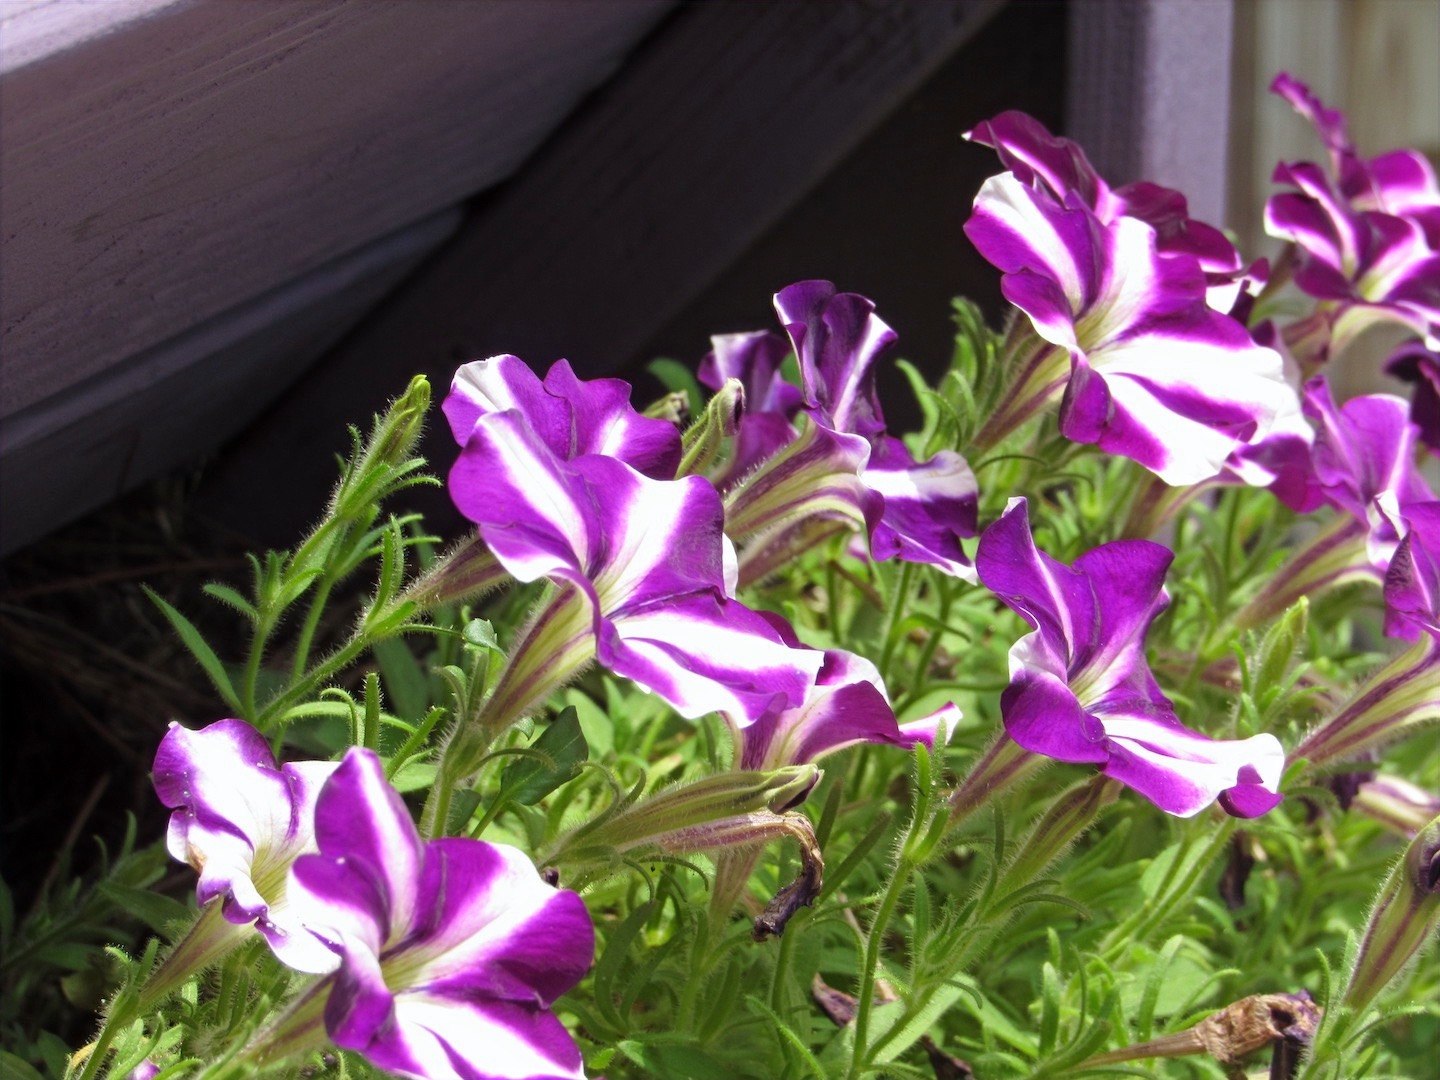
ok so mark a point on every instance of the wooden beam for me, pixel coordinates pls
(79, 449)
(165, 160)
(721, 122)
(1150, 93)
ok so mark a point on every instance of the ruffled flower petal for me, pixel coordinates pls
(1081, 690)
(571, 416)
(241, 821)
(450, 952)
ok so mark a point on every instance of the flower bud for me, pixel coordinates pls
(705, 439)
(466, 572)
(1397, 804)
(1403, 921)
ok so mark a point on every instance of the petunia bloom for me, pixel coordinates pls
(450, 953)
(571, 416)
(1414, 363)
(1034, 156)
(1143, 367)
(1368, 231)
(771, 402)
(1364, 461)
(646, 568)
(241, 821)
(1080, 689)
(841, 464)
(847, 706)
(1412, 580)
(1399, 182)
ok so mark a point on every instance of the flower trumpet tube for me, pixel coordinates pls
(1080, 689)
(1402, 807)
(450, 953)
(1398, 701)
(1402, 922)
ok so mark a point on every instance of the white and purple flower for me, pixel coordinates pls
(571, 416)
(647, 559)
(847, 706)
(1414, 363)
(1147, 369)
(1036, 157)
(450, 953)
(241, 821)
(1080, 689)
(1368, 232)
(842, 464)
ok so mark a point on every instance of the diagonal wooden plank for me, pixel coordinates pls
(77, 450)
(165, 160)
(723, 120)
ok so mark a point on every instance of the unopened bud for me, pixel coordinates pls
(398, 429)
(705, 439)
(1403, 920)
(1059, 827)
(1397, 804)
(466, 572)
(674, 407)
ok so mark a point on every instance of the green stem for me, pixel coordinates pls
(264, 625)
(318, 674)
(865, 992)
(1154, 911)
(897, 606)
(308, 628)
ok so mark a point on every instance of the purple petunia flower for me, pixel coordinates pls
(1412, 579)
(1080, 689)
(571, 416)
(450, 952)
(1368, 231)
(1414, 363)
(241, 822)
(847, 706)
(646, 559)
(771, 402)
(1147, 369)
(842, 464)
(1364, 461)
(1038, 158)
(1399, 182)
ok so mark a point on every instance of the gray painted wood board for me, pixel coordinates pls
(76, 451)
(165, 160)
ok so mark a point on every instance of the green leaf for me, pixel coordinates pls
(405, 680)
(16, 1068)
(155, 911)
(480, 633)
(226, 595)
(599, 729)
(529, 779)
(199, 648)
(676, 1059)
